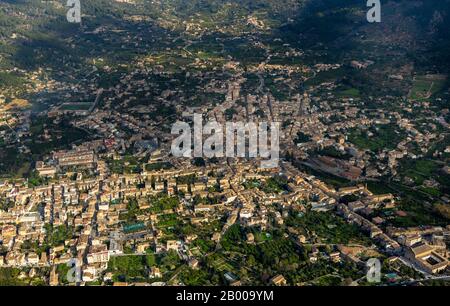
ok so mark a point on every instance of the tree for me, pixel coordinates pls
(171, 260)
(150, 260)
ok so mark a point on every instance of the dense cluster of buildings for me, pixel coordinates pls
(84, 211)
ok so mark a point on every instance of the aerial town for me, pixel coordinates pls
(90, 193)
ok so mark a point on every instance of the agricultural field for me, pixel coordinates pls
(425, 86)
(82, 106)
(383, 137)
